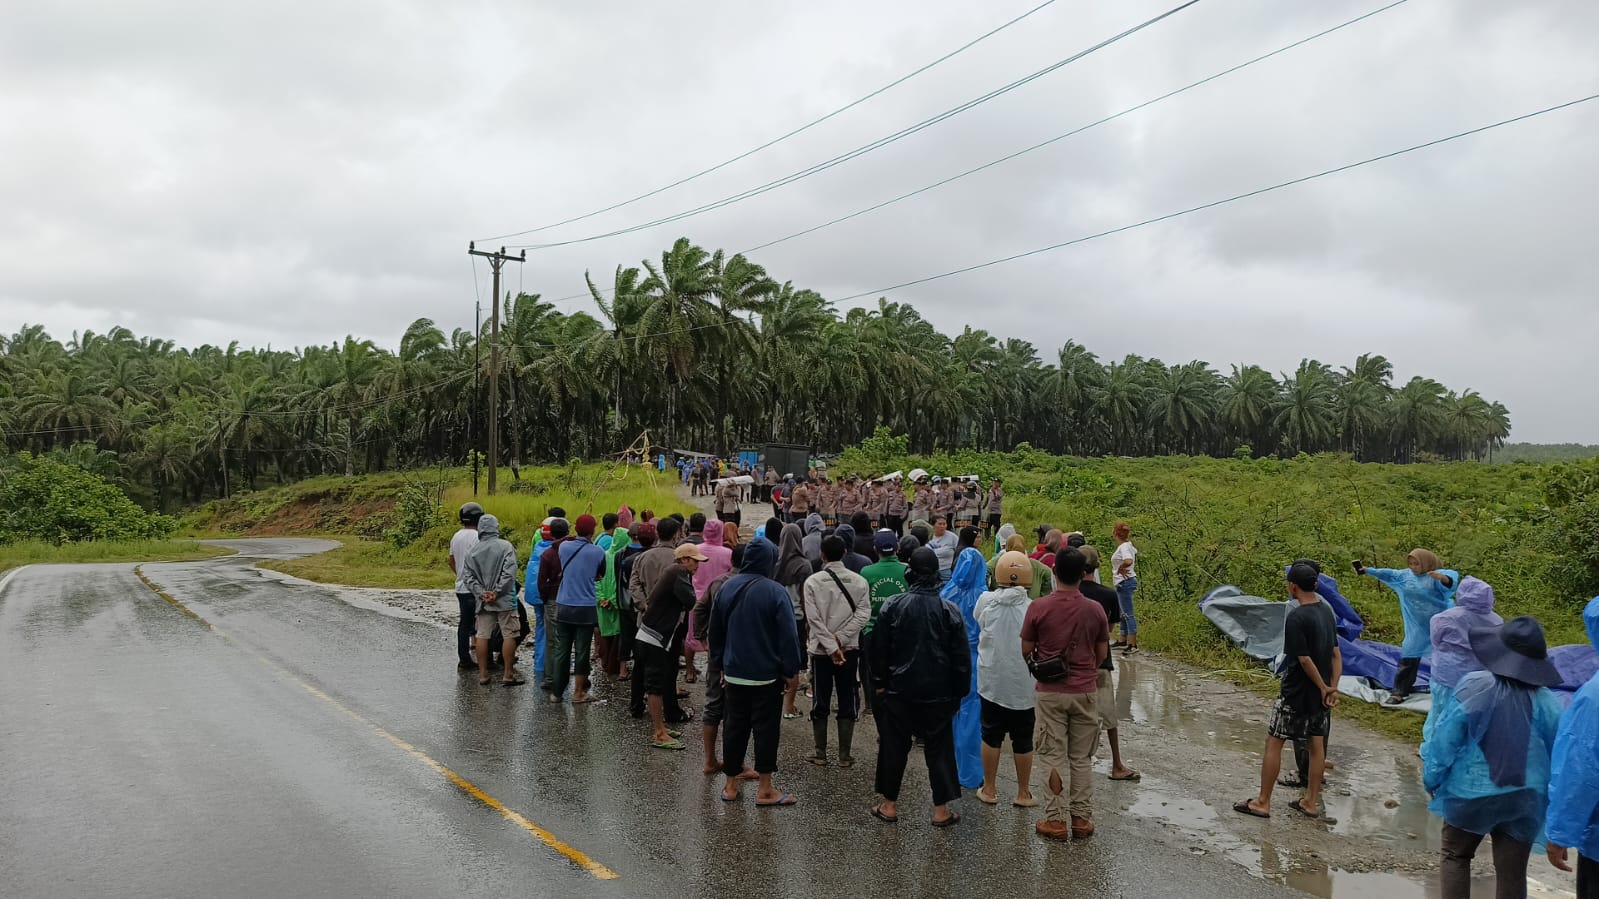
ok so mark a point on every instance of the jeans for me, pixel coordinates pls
(1124, 594)
(1405, 677)
(826, 677)
(467, 628)
(571, 640)
(899, 720)
(538, 640)
(1510, 864)
(757, 711)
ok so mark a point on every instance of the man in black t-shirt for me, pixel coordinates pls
(1107, 599)
(1303, 710)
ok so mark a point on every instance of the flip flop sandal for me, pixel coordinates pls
(953, 819)
(514, 683)
(785, 799)
(986, 798)
(1132, 777)
(1314, 816)
(791, 716)
(673, 744)
(1243, 807)
(877, 812)
(727, 798)
(484, 680)
(1024, 803)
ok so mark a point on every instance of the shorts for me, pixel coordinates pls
(657, 667)
(997, 722)
(1106, 701)
(1287, 724)
(510, 624)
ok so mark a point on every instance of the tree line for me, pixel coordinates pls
(704, 350)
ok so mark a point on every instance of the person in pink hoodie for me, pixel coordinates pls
(720, 562)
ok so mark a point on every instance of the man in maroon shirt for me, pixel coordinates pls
(1070, 630)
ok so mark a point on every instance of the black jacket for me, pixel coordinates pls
(918, 649)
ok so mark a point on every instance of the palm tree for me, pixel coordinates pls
(1416, 410)
(1250, 398)
(1307, 414)
(679, 291)
(741, 287)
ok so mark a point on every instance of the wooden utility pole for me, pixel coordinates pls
(496, 260)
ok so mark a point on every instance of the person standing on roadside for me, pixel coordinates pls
(1573, 818)
(461, 545)
(1424, 588)
(1111, 603)
(964, 589)
(755, 642)
(894, 506)
(572, 569)
(644, 575)
(490, 576)
(1453, 658)
(1487, 765)
(672, 599)
(1066, 636)
(837, 605)
(715, 688)
(1124, 575)
(921, 670)
(1004, 685)
(608, 631)
(727, 502)
(944, 543)
(1303, 710)
(884, 578)
(994, 503)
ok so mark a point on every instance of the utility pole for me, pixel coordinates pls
(496, 260)
(471, 424)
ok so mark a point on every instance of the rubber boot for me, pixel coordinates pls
(846, 737)
(819, 730)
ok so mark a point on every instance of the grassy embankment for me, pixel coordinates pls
(1200, 523)
(359, 511)
(38, 552)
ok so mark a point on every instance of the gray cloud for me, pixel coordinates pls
(294, 172)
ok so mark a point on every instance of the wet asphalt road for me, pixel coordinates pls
(145, 754)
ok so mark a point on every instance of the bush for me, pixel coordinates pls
(42, 499)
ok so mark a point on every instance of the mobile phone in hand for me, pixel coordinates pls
(1359, 566)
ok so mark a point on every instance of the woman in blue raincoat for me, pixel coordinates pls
(1452, 655)
(1487, 763)
(1573, 819)
(1426, 589)
(966, 583)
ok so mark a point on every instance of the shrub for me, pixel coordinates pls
(42, 499)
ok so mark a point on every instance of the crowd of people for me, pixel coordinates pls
(953, 633)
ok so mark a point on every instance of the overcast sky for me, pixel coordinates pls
(289, 173)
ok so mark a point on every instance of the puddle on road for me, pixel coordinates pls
(1387, 808)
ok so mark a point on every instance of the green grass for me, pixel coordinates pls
(15, 555)
(364, 561)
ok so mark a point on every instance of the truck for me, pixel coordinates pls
(788, 458)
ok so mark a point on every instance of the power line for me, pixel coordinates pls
(779, 139)
(1075, 131)
(1215, 203)
(874, 145)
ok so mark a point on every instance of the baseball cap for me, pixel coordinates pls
(689, 551)
(585, 525)
(1013, 570)
(885, 542)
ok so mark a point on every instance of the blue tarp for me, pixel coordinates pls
(1256, 626)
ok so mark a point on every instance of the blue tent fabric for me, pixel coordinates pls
(966, 584)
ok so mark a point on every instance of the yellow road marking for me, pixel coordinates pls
(570, 852)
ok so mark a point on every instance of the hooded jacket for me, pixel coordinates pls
(919, 650)
(1573, 817)
(792, 566)
(753, 634)
(836, 614)
(812, 541)
(532, 578)
(1002, 675)
(491, 566)
(1452, 657)
(853, 560)
(719, 556)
